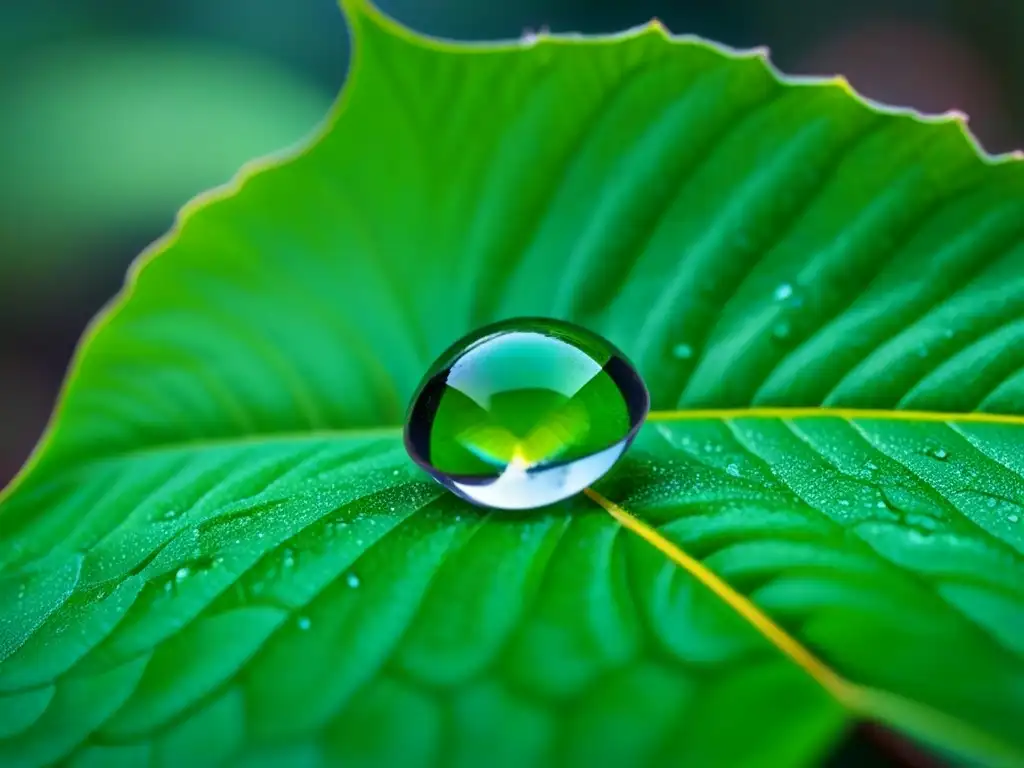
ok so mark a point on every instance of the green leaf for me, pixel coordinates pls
(220, 552)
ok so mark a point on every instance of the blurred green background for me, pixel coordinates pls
(115, 112)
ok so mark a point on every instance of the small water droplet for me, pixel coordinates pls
(352, 580)
(304, 623)
(938, 452)
(922, 521)
(781, 330)
(881, 504)
(259, 535)
(394, 472)
(532, 37)
(682, 351)
(181, 574)
(732, 469)
(990, 503)
(783, 292)
(844, 502)
(289, 558)
(1013, 518)
(871, 466)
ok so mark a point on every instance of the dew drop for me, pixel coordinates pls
(783, 292)
(525, 413)
(781, 330)
(922, 521)
(289, 558)
(682, 351)
(938, 453)
(1013, 518)
(304, 623)
(733, 470)
(531, 37)
(352, 580)
(181, 574)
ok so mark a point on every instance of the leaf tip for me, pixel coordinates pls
(357, 11)
(355, 8)
(657, 26)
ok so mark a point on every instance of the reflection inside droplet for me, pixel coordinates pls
(525, 413)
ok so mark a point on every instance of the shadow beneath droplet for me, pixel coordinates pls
(880, 747)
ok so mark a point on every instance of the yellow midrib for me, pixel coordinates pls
(395, 431)
(849, 414)
(723, 414)
(859, 700)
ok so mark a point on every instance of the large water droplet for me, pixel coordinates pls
(525, 413)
